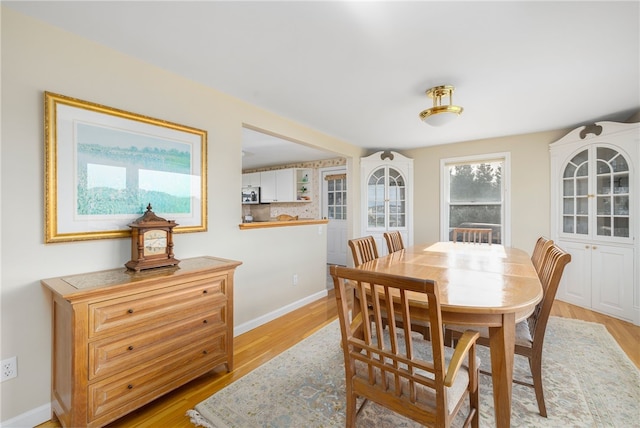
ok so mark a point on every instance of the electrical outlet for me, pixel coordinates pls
(9, 368)
(295, 279)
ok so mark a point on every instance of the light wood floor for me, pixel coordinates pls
(265, 342)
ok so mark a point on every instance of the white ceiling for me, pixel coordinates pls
(358, 70)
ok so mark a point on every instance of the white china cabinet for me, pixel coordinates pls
(594, 210)
(387, 196)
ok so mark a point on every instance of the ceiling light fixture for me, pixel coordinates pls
(433, 116)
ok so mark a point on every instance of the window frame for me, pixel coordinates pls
(445, 163)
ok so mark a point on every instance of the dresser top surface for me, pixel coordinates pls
(123, 276)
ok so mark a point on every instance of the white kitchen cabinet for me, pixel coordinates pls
(286, 185)
(278, 185)
(594, 209)
(251, 179)
(387, 197)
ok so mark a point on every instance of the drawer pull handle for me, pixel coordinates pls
(129, 386)
(130, 311)
(204, 291)
(130, 348)
(204, 352)
(204, 321)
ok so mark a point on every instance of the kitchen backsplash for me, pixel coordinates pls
(302, 210)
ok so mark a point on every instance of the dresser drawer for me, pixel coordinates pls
(146, 383)
(113, 355)
(156, 308)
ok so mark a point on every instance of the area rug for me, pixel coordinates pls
(588, 382)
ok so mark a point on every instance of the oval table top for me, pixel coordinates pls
(472, 278)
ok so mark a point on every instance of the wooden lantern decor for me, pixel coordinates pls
(151, 242)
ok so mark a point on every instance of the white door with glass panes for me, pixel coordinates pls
(334, 208)
(387, 197)
(594, 206)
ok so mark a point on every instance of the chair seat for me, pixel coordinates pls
(523, 334)
(423, 350)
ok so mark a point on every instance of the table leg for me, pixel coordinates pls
(502, 346)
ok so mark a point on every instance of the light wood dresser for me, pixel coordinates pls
(121, 339)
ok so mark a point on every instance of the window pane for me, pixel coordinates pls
(582, 186)
(603, 167)
(621, 205)
(604, 185)
(459, 214)
(582, 225)
(604, 226)
(619, 163)
(583, 170)
(568, 188)
(568, 206)
(481, 182)
(604, 205)
(581, 157)
(569, 171)
(567, 224)
(583, 206)
(621, 227)
(621, 183)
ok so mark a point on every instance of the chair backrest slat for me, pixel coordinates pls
(363, 250)
(554, 261)
(474, 235)
(540, 251)
(394, 241)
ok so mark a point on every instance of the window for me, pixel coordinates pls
(475, 194)
(337, 196)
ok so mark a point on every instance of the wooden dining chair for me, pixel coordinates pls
(530, 332)
(363, 250)
(395, 368)
(539, 252)
(394, 241)
(474, 235)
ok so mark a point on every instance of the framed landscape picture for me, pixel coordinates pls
(104, 166)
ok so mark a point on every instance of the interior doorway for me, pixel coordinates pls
(334, 208)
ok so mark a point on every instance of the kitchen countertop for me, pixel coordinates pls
(275, 223)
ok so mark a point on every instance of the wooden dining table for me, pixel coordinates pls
(486, 285)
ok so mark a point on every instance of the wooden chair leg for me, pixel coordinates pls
(474, 402)
(352, 412)
(535, 363)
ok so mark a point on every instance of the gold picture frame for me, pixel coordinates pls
(103, 166)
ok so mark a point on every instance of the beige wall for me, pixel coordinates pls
(36, 58)
(529, 184)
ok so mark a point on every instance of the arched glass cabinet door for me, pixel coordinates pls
(612, 193)
(609, 217)
(575, 195)
(386, 199)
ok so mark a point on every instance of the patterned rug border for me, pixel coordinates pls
(316, 399)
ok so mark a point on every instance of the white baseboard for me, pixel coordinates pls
(250, 325)
(29, 419)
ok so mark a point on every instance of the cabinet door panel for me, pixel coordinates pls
(268, 186)
(285, 185)
(612, 281)
(575, 286)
